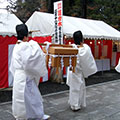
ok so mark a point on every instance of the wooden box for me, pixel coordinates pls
(62, 56)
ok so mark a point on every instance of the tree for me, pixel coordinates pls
(105, 10)
(50, 5)
(24, 9)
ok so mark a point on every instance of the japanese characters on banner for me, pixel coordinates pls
(58, 13)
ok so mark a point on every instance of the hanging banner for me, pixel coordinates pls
(58, 17)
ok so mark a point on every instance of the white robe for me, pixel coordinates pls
(27, 66)
(117, 68)
(85, 67)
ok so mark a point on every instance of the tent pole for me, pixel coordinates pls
(102, 54)
(95, 46)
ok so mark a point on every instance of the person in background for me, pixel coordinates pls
(85, 67)
(27, 66)
(114, 47)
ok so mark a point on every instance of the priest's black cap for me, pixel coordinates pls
(22, 31)
(78, 37)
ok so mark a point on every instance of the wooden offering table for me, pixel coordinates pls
(61, 56)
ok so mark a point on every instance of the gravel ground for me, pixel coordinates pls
(50, 87)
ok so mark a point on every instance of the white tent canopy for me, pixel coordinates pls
(8, 23)
(91, 29)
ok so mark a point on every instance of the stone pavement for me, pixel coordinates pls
(103, 103)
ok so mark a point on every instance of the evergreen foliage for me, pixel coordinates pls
(105, 10)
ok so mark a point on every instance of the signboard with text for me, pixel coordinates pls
(58, 17)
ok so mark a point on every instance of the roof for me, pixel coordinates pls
(91, 29)
(8, 23)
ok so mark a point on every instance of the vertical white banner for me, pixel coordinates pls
(58, 17)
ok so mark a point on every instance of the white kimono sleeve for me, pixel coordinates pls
(33, 59)
(87, 61)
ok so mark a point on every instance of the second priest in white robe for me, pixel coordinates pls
(85, 67)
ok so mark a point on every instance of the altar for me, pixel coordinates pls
(60, 56)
